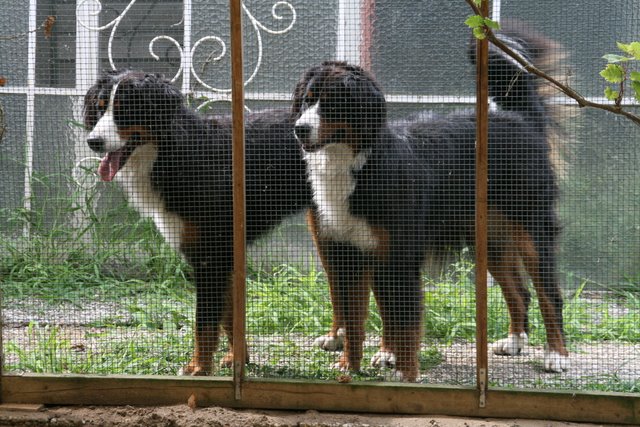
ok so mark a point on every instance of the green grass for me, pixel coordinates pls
(118, 260)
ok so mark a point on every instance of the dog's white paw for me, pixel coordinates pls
(329, 342)
(555, 362)
(510, 346)
(339, 367)
(384, 359)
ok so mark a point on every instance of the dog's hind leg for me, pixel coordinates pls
(539, 260)
(510, 248)
(504, 266)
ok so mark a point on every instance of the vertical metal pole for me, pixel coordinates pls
(482, 136)
(186, 46)
(239, 253)
(31, 85)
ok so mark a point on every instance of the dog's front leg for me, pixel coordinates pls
(350, 276)
(212, 304)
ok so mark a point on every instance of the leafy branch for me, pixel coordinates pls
(483, 27)
(47, 26)
(616, 71)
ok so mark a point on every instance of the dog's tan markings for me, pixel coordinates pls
(190, 234)
(126, 133)
(381, 252)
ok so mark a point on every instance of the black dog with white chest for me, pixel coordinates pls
(175, 166)
(389, 195)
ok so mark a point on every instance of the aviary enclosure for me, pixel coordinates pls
(120, 263)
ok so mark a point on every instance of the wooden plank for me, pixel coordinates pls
(410, 399)
(239, 197)
(481, 205)
(22, 407)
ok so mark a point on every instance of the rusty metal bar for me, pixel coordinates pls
(238, 183)
(482, 136)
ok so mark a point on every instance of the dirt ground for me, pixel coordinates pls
(182, 415)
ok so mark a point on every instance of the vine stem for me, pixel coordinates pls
(567, 90)
(47, 24)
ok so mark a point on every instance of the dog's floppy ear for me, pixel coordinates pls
(364, 96)
(90, 112)
(91, 107)
(159, 94)
(300, 91)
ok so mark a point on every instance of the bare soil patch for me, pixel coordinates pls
(182, 415)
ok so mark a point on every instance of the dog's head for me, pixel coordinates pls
(338, 103)
(124, 110)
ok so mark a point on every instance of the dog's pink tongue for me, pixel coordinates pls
(109, 166)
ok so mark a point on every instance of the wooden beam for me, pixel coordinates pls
(410, 399)
(481, 217)
(239, 197)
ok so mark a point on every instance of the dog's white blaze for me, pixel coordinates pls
(311, 118)
(332, 182)
(106, 127)
(135, 180)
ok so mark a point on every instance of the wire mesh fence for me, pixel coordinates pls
(117, 211)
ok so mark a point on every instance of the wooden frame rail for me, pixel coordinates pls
(397, 398)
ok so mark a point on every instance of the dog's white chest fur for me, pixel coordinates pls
(135, 180)
(332, 182)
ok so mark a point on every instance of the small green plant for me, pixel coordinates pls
(478, 25)
(618, 71)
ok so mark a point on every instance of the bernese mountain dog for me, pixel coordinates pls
(175, 166)
(390, 195)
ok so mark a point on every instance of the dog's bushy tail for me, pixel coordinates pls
(513, 88)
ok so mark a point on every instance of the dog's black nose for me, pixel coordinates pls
(96, 144)
(302, 132)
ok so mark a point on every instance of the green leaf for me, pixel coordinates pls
(491, 24)
(636, 88)
(635, 76)
(613, 58)
(478, 2)
(478, 33)
(632, 49)
(474, 21)
(611, 94)
(613, 73)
